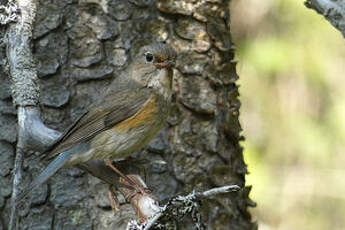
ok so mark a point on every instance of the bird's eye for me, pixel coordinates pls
(149, 57)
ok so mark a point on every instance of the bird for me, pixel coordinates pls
(126, 116)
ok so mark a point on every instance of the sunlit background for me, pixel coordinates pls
(292, 85)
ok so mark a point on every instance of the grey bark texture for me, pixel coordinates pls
(80, 46)
(332, 10)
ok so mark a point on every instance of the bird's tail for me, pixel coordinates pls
(51, 169)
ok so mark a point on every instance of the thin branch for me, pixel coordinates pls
(32, 133)
(333, 11)
(16, 182)
(183, 205)
(24, 88)
(9, 12)
(216, 191)
(36, 135)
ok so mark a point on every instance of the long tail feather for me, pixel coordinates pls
(51, 169)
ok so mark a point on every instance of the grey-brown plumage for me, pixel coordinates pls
(125, 117)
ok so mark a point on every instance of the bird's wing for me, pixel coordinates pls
(106, 112)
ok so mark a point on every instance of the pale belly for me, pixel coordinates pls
(116, 145)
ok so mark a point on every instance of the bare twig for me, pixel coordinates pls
(36, 136)
(16, 182)
(8, 13)
(181, 205)
(25, 93)
(24, 88)
(216, 191)
(333, 11)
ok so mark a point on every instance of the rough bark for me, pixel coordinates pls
(332, 10)
(80, 47)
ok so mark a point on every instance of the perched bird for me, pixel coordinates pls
(127, 115)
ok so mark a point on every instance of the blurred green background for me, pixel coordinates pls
(292, 85)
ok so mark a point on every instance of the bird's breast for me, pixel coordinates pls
(145, 116)
(133, 133)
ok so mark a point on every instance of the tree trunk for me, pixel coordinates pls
(80, 47)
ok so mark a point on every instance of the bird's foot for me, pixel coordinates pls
(129, 180)
(138, 185)
(114, 202)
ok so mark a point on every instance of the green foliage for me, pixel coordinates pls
(291, 68)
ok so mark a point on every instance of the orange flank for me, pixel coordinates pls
(145, 115)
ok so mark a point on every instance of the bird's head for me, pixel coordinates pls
(153, 66)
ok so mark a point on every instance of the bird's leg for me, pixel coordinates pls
(139, 188)
(114, 202)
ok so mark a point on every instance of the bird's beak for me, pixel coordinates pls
(166, 64)
(170, 64)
